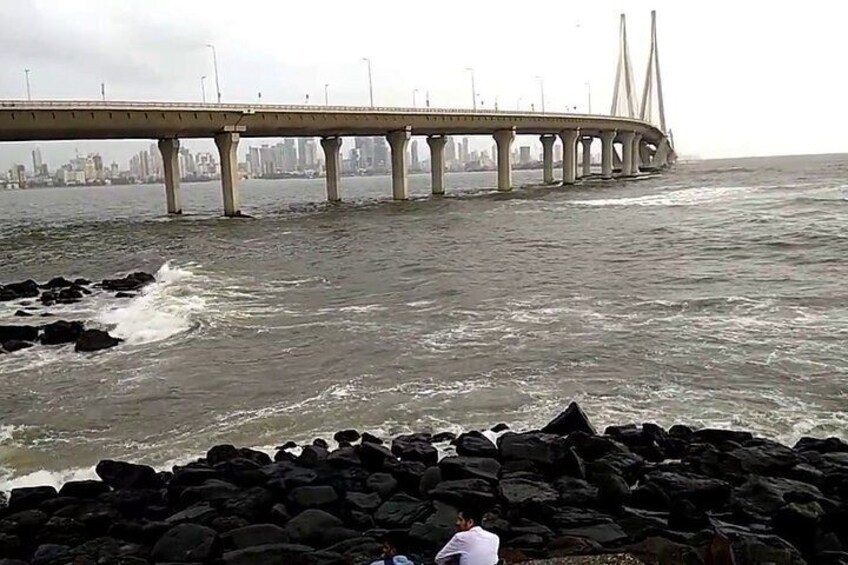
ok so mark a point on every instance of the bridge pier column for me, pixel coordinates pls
(397, 143)
(547, 157)
(227, 143)
(504, 139)
(607, 137)
(645, 153)
(627, 139)
(170, 150)
(587, 155)
(637, 154)
(660, 159)
(437, 162)
(332, 166)
(569, 155)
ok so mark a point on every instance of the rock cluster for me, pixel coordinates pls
(60, 290)
(665, 496)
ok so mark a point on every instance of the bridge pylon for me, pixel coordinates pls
(652, 108)
(624, 97)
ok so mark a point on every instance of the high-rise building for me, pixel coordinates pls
(365, 149)
(266, 161)
(557, 152)
(450, 150)
(254, 162)
(289, 161)
(413, 160)
(524, 154)
(155, 160)
(463, 151)
(311, 161)
(301, 153)
(36, 161)
(381, 154)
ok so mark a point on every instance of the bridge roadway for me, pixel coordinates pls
(642, 144)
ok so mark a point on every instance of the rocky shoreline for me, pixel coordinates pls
(35, 299)
(664, 496)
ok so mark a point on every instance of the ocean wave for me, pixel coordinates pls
(162, 310)
(685, 197)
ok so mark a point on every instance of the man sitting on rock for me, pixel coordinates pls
(390, 552)
(471, 545)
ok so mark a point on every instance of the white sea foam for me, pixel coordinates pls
(163, 309)
(685, 197)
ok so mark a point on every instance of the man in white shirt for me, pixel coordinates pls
(471, 545)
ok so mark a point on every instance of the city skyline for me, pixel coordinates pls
(288, 157)
(162, 55)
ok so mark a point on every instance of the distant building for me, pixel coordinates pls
(557, 152)
(450, 151)
(464, 155)
(36, 161)
(413, 158)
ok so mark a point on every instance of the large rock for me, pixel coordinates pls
(573, 419)
(121, 475)
(519, 492)
(271, 554)
(415, 447)
(548, 450)
(95, 340)
(253, 535)
(363, 502)
(401, 511)
(25, 289)
(383, 484)
(187, 543)
(719, 437)
(60, 332)
(458, 468)
(18, 333)
(703, 492)
(467, 491)
(348, 436)
(84, 489)
(310, 525)
(133, 281)
(14, 345)
(607, 535)
(374, 456)
(29, 498)
(211, 491)
(51, 554)
(475, 444)
(314, 497)
(760, 498)
(829, 445)
(57, 282)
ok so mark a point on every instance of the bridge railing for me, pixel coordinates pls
(242, 107)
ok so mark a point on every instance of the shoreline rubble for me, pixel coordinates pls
(680, 495)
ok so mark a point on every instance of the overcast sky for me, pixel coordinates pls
(739, 78)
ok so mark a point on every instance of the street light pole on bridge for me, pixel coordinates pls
(203, 88)
(29, 92)
(542, 91)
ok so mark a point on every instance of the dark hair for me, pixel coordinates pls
(472, 513)
(396, 539)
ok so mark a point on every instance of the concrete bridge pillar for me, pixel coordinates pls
(607, 137)
(170, 150)
(333, 169)
(437, 162)
(504, 139)
(627, 139)
(547, 158)
(227, 143)
(569, 155)
(645, 153)
(660, 159)
(398, 141)
(637, 154)
(587, 155)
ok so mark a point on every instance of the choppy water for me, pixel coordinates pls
(715, 294)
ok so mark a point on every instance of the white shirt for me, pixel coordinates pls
(474, 547)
